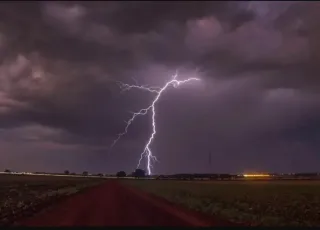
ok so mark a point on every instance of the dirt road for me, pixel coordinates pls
(112, 204)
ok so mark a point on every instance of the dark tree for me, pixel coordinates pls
(139, 173)
(121, 174)
(66, 172)
(85, 173)
(7, 170)
(100, 174)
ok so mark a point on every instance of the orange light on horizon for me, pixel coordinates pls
(256, 175)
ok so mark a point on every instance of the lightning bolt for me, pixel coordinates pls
(158, 91)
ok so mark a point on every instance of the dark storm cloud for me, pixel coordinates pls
(258, 62)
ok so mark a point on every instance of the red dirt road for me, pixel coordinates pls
(112, 204)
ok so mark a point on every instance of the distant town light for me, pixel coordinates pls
(256, 175)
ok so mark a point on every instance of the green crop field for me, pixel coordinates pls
(258, 203)
(24, 195)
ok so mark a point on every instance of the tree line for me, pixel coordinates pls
(137, 173)
(140, 173)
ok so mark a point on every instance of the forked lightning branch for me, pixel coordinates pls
(147, 153)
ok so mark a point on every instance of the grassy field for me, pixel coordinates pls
(22, 195)
(262, 203)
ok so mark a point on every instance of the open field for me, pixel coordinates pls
(56, 201)
(264, 203)
(22, 195)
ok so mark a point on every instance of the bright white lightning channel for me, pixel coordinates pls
(158, 91)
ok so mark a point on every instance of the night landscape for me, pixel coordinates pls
(160, 113)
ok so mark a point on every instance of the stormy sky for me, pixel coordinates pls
(256, 108)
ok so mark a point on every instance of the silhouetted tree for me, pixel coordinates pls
(7, 170)
(100, 174)
(85, 173)
(66, 172)
(121, 174)
(139, 173)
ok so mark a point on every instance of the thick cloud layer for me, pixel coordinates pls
(256, 108)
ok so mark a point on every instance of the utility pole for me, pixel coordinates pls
(210, 162)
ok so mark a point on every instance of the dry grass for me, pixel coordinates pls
(22, 195)
(263, 203)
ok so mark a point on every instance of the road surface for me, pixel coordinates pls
(112, 204)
